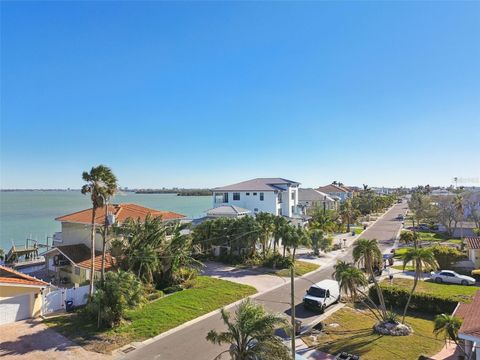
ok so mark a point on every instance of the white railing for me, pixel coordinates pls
(54, 300)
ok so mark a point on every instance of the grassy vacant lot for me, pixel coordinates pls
(439, 237)
(153, 318)
(301, 268)
(352, 332)
(457, 292)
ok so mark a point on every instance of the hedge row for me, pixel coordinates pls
(397, 297)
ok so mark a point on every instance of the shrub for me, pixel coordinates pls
(120, 291)
(172, 289)
(184, 274)
(279, 261)
(155, 295)
(397, 297)
(446, 255)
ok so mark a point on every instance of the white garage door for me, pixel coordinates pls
(14, 309)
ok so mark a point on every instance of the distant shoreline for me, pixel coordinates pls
(178, 192)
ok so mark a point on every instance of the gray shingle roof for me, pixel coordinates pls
(313, 195)
(258, 184)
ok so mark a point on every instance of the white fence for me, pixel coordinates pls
(54, 300)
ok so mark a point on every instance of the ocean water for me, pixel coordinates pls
(31, 214)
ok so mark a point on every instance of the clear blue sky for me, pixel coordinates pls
(206, 94)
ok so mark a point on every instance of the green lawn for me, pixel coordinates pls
(357, 230)
(301, 268)
(457, 292)
(155, 317)
(439, 237)
(352, 332)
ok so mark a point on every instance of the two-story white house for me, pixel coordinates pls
(336, 191)
(276, 196)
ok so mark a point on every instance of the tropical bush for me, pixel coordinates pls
(119, 292)
(446, 255)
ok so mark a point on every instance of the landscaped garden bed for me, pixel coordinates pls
(206, 295)
(351, 330)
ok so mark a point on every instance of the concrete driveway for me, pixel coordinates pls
(31, 339)
(258, 278)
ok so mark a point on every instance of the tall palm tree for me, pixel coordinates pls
(458, 203)
(294, 238)
(101, 184)
(347, 213)
(366, 251)
(422, 259)
(316, 235)
(267, 226)
(251, 334)
(350, 279)
(279, 224)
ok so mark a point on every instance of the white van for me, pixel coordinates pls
(322, 295)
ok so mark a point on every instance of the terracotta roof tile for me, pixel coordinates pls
(473, 242)
(121, 211)
(11, 276)
(471, 317)
(80, 254)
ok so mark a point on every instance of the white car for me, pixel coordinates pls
(322, 295)
(451, 277)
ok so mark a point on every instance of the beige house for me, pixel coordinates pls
(473, 249)
(20, 295)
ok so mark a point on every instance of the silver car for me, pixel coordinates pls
(451, 277)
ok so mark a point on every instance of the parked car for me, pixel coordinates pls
(400, 217)
(322, 295)
(476, 274)
(451, 277)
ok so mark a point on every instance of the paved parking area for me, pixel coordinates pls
(33, 340)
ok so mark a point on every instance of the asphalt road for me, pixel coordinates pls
(189, 343)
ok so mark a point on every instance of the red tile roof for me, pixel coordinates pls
(473, 242)
(10, 276)
(121, 211)
(471, 317)
(81, 256)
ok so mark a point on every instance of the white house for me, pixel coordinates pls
(276, 196)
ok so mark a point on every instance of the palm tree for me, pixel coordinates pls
(251, 334)
(448, 326)
(144, 262)
(458, 203)
(101, 184)
(350, 279)
(347, 213)
(316, 235)
(295, 237)
(279, 224)
(367, 252)
(267, 226)
(423, 259)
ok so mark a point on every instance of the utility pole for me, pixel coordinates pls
(292, 294)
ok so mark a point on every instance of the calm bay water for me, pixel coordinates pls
(31, 214)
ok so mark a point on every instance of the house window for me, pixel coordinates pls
(236, 196)
(293, 196)
(248, 194)
(293, 209)
(225, 197)
(221, 198)
(254, 194)
(77, 271)
(279, 197)
(256, 209)
(261, 197)
(280, 212)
